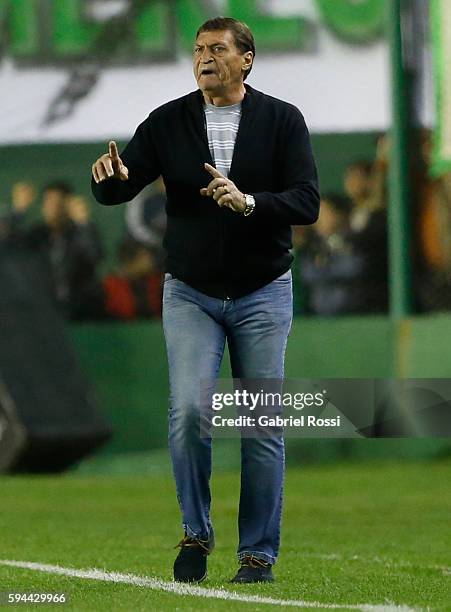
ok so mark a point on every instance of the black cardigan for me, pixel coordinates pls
(213, 249)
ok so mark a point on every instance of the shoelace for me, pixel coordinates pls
(254, 562)
(188, 542)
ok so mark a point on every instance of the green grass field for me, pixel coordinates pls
(373, 533)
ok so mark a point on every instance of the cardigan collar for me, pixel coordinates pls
(196, 100)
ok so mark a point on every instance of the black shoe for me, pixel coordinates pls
(253, 570)
(191, 562)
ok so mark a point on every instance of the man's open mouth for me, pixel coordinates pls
(207, 71)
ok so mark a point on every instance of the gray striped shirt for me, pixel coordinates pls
(222, 128)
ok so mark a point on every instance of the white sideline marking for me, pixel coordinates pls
(184, 589)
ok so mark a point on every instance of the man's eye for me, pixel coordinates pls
(218, 49)
(197, 50)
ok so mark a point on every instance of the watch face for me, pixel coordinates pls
(250, 204)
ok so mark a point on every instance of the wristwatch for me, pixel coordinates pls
(250, 204)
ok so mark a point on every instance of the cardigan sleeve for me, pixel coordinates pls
(140, 156)
(298, 202)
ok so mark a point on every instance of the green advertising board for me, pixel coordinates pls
(62, 31)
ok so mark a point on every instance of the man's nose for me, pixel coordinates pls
(206, 57)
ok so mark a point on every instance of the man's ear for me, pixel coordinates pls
(249, 56)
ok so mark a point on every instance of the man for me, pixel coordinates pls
(134, 289)
(239, 171)
(329, 266)
(68, 243)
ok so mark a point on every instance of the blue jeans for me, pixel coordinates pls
(196, 327)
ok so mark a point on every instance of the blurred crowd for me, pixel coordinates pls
(341, 261)
(340, 267)
(63, 237)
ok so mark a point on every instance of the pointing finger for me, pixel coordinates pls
(113, 151)
(213, 171)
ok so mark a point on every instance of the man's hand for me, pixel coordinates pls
(109, 166)
(224, 191)
(23, 195)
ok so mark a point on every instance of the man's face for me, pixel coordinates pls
(329, 221)
(218, 63)
(356, 183)
(54, 207)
